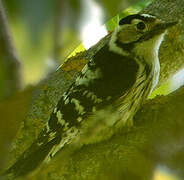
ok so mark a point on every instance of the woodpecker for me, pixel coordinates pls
(119, 76)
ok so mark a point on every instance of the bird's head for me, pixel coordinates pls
(138, 31)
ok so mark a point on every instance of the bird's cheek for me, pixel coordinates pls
(126, 37)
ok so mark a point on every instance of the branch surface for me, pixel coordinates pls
(156, 139)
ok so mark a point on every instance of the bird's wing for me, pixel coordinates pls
(105, 78)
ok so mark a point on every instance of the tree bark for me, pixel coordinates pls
(156, 139)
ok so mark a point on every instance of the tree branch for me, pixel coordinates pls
(155, 139)
(172, 50)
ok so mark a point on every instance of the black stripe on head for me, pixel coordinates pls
(128, 19)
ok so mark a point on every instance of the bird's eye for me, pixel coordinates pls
(141, 26)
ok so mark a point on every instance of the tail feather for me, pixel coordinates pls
(33, 156)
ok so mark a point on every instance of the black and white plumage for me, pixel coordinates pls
(120, 75)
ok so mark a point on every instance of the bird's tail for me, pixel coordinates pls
(33, 156)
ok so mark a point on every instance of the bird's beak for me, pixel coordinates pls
(162, 26)
(159, 28)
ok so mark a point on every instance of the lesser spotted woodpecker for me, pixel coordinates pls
(120, 75)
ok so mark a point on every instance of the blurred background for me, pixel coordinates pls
(43, 34)
(46, 32)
